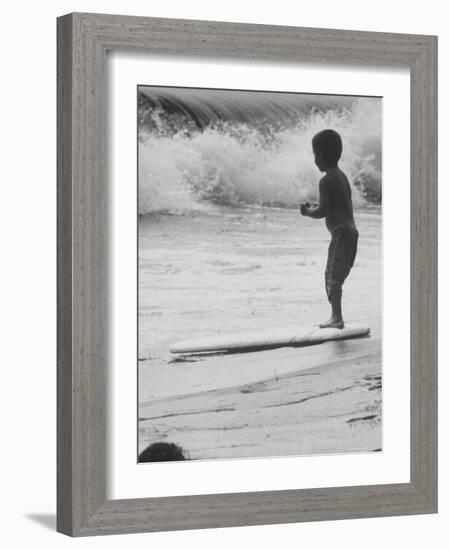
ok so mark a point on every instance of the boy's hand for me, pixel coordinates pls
(304, 208)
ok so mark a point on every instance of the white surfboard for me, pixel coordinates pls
(268, 339)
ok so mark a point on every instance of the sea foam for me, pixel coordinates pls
(185, 166)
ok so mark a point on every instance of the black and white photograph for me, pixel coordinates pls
(259, 274)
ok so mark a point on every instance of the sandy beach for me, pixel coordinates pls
(232, 269)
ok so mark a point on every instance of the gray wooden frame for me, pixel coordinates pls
(83, 40)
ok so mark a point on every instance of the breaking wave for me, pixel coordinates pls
(200, 148)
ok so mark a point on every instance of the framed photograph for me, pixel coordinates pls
(247, 274)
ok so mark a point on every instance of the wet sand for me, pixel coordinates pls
(244, 270)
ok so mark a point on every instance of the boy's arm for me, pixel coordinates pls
(322, 209)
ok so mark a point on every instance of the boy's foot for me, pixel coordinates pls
(333, 323)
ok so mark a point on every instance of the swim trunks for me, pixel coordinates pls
(340, 259)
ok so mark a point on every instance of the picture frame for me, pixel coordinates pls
(83, 41)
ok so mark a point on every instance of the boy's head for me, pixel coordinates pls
(327, 147)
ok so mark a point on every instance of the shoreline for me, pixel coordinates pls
(332, 407)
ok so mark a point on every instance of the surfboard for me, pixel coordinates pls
(268, 339)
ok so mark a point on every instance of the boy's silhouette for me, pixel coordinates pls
(336, 206)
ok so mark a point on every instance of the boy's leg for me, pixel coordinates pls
(336, 318)
(341, 255)
(336, 315)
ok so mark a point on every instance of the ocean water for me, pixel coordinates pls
(244, 269)
(222, 245)
(199, 149)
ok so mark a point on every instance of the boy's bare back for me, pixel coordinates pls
(336, 191)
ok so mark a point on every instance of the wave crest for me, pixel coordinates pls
(239, 163)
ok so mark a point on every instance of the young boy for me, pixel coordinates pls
(336, 206)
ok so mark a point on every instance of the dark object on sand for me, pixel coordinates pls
(161, 452)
